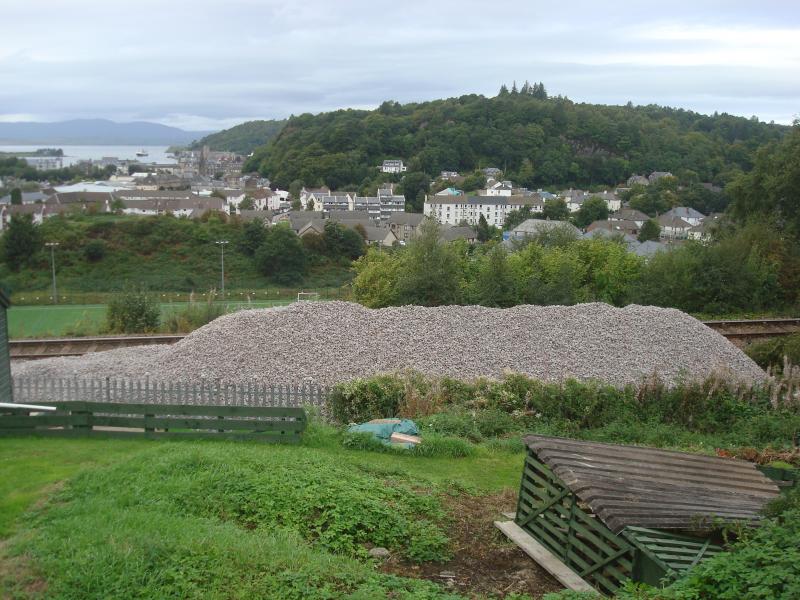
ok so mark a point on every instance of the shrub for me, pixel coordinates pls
(443, 447)
(365, 399)
(95, 250)
(133, 311)
(767, 354)
(195, 315)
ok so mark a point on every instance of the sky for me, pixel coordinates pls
(203, 65)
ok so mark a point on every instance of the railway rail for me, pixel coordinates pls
(740, 333)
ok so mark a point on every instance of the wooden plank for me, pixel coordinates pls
(216, 424)
(546, 559)
(155, 435)
(182, 409)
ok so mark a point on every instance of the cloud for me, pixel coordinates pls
(199, 65)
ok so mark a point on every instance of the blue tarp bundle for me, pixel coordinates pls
(384, 428)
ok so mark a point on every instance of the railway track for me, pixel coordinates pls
(740, 333)
(50, 347)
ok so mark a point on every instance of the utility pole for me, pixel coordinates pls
(52, 246)
(222, 264)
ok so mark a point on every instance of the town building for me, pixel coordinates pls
(393, 166)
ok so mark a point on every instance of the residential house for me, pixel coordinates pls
(638, 180)
(702, 232)
(613, 202)
(315, 226)
(688, 214)
(449, 191)
(192, 207)
(532, 227)
(649, 248)
(574, 198)
(38, 212)
(265, 216)
(673, 227)
(614, 227)
(297, 219)
(393, 166)
(404, 225)
(498, 188)
(329, 202)
(448, 174)
(491, 172)
(27, 198)
(656, 175)
(450, 234)
(630, 214)
(379, 236)
(305, 194)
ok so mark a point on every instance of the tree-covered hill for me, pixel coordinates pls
(243, 138)
(536, 140)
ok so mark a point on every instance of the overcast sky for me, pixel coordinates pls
(206, 65)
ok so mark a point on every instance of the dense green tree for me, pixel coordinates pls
(495, 284)
(650, 230)
(474, 181)
(516, 217)
(429, 273)
(342, 241)
(593, 209)
(281, 256)
(295, 188)
(483, 229)
(247, 204)
(16, 196)
(414, 187)
(377, 274)
(253, 235)
(21, 242)
(555, 209)
(772, 188)
(242, 138)
(568, 143)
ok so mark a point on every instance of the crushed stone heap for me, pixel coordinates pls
(329, 342)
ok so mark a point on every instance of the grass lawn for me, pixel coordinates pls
(86, 319)
(173, 519)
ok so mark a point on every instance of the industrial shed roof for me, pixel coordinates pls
(663, 489)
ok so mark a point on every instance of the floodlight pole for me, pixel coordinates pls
(222, 264)
(52, 246)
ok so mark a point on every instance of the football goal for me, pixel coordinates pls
(307, 296)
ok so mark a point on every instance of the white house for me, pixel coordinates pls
(673, 228)
(393, 166)
(688, 214)
(613, 202)
(499, 188)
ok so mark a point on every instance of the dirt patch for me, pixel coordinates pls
(17, 574)
(484, 561)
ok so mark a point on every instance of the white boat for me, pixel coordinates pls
(142, 152)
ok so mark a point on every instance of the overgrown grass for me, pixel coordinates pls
(694, 415)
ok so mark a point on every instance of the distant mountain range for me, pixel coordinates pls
(96, 132)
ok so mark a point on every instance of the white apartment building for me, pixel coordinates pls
(454, 210)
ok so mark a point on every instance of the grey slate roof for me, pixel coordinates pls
(404, 218)
(684, 212)
(645, 487)
(534, 226)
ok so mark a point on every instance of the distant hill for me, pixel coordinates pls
(243, 138)
(95, 131)
(534, 139)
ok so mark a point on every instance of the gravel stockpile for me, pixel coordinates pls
(328, 342)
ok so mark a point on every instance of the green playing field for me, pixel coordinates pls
(84, 319)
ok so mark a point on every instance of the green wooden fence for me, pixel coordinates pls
(158, 421)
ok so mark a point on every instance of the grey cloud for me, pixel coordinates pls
(203, 63)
